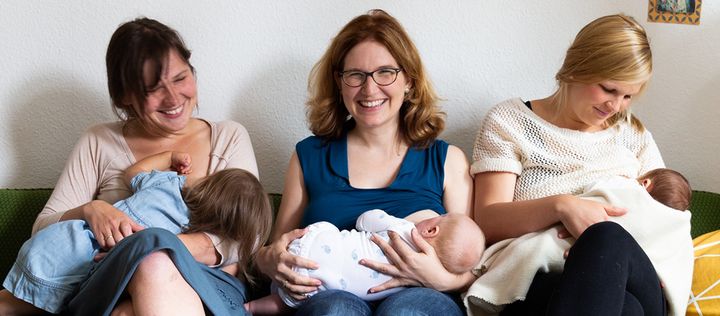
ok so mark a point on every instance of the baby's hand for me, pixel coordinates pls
(181, 162)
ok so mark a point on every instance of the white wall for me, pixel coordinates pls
(253, 57)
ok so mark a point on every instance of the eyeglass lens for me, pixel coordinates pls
(383, 77)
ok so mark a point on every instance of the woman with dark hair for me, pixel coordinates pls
(375, 120)
(154, 93)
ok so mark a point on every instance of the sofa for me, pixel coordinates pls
(19, 207)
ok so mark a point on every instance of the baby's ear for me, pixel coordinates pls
(430, 232)
(647, 184)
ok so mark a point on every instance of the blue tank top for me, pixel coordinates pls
(331, 198)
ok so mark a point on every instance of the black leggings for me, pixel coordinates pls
(606, 273)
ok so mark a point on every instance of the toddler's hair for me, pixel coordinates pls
(232, 204)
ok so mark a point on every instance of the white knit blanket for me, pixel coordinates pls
(507, 268)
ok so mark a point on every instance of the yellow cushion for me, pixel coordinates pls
(705, 297)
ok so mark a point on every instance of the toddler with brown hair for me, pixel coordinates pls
(229, 204)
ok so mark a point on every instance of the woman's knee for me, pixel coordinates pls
(606, 240)
(157, 264)
(155, 268)
(606, 235)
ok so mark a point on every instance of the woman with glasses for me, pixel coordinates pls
(375, 119)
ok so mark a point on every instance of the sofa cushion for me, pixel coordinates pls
(18, 209)
(705, 208)
(705, 297)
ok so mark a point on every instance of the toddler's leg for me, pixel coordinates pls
(11, 305)
(268, 305)
(51, 265)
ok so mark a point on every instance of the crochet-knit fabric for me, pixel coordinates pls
(550, 160)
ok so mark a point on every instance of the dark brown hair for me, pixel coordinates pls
(132, 45)
(669, 187)
(232, 204)
(421, 120)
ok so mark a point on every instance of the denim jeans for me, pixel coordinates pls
(410, 301)
(221, 293)
(51, 265)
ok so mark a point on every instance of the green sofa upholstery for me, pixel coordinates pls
(19, 207)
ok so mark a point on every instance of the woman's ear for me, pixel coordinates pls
(408, 90)
(408, 86)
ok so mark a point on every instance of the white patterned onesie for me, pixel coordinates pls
(338, 253)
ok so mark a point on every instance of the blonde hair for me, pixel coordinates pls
(231, 204)
(669, 187)
(421, 119)
(460, 243)
(613, 47)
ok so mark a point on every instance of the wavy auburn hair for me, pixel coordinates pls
(613, 47)
(421, 119)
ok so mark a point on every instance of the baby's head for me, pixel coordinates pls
(231, 204)
(457, 240)
(668, 187)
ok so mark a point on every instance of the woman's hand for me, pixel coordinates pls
(578, 214)
(410, 268)
(109, 224)
(276, 262)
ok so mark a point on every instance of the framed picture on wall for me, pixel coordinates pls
(675, 11)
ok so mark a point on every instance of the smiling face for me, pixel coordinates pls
(370, 104)
(590, 106)
(170, 101)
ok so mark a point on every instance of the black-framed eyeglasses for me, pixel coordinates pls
(382, 76)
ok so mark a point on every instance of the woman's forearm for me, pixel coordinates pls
(460, 283)
(511, 219)
(450, 282)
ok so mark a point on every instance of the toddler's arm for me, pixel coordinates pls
(169, 160)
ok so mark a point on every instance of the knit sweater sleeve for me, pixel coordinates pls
(648, 154)
(496, 147)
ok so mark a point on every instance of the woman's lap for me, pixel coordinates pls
(606, 273)
(220, 292)
(410, 301)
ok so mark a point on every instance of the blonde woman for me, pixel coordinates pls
(531, 157)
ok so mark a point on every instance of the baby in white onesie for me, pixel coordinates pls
(458, 241)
